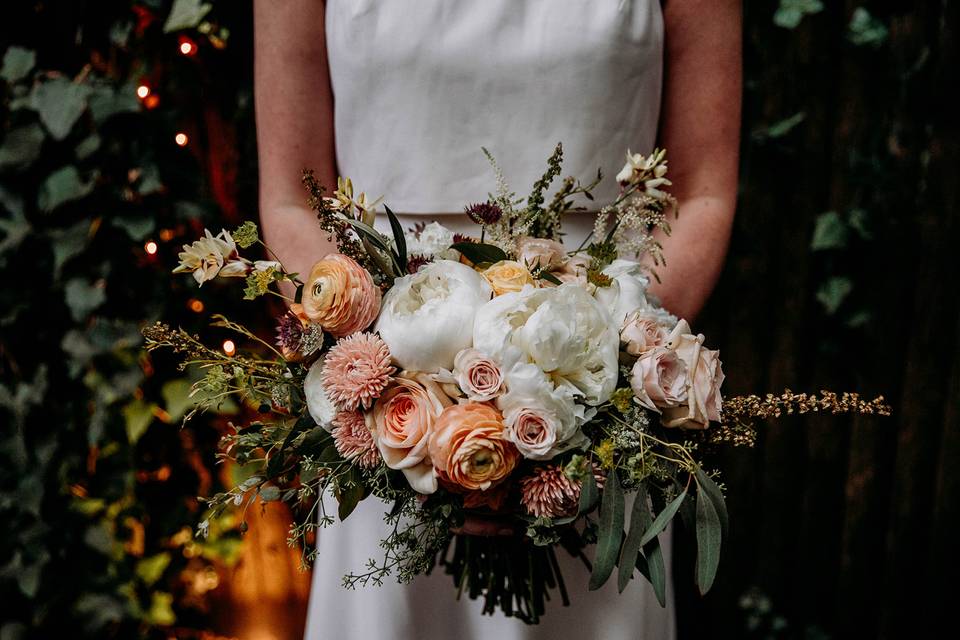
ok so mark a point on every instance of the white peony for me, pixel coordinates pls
(563, 330)
(627, 291)
(427, 318)
(434, 240)
(321, 408)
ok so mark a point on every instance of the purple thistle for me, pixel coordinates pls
(484, 213)
(415, 262)
(289, 332)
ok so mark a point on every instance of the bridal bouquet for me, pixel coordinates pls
(499, 376)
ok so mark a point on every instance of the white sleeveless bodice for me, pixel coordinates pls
(419, 86)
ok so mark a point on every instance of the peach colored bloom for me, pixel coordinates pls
(507, 276)
(468, 446)
(575, 269)
(540, 253)
(357, 370)
(401, 421)
(478, 375)
(353, 440)
(641, 332)
(341, 296)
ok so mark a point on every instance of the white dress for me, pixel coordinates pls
(419, 86)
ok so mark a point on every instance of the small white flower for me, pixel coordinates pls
(210, 256)
(433, 241)
(321, 408)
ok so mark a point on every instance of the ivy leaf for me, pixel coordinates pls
(176, 398)
(138, 416)
(14, 230)
(865, 29)
(610, 534)
(186, 14)
(106, 102)
(83, 297)
(791, 12)
(68, 243)
(87, 147)
(21, 146)
(137, 228)
(60, 104)
(708, 543)
(62, 186)
(270, 494)
(151, 568)
(833, 292)
(478, 253)
(858, 219)
(17, 63)
(829, 232)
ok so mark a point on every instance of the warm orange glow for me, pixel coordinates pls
(166, 235)
(152, 101)
(229, 347)
(143, 91)
(195, 305)
(181, 139)
(151, 247)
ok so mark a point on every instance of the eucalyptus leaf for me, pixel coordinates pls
(713, 493)
(663, 519)
(588, 494)
(60, 104)
(610, 534)
(657, 569)
(477, 252)
(17, 63)
(640, 521)
(709, 535)
(398, 239)
(21, 146)
(186, 14)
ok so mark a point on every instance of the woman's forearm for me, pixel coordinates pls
(700, 128)
(294, 105)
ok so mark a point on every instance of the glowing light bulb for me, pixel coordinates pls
(181, 139)
(195, 305)
(186, 48)
(229, 347)
(151, 247)
(143, 91)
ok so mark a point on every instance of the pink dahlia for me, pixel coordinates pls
(353, 440)
(549, 493)
(357, 370)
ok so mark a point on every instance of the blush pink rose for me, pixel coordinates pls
(478, 375)
(401, 421)
(533, 431)
(659, 379)
(704, 374)
(540, 253)
(340, 296)
(641, 332)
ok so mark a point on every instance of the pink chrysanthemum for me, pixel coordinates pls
(353, 440)
(356, 370)
(549, 493)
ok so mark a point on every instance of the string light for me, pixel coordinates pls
(229, 348)
(187, 47)
(166, 235)
(150, 247)
(181, 139)
(195, 305)
(143, 91)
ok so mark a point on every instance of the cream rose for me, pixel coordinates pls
(658, 379)
(468, 447)
(401, 421)
(507, 276)
(704, 376)
(641, 332)
(478, 375)
(340, 296)
(574, 270)
(540, 253)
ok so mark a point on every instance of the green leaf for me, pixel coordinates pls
(610, 533)
(87, 147)
(14, 230)
(865, 29)
(176, 398)
(712, 491)
(708, 543)
(106, 102)
(270, 493)
(833, 292)
(588, 493)
(186, 14)
(549, 277)
(138, 416)
(859, 220)
(82, 297)
(791, 12)
(21, 147)
(151, 568)
(68, 243)
(377, 240)
(657, 570)
(60, 104)
(477, 252)
(640, 521)
(348, 499)
(782, 127)
(137, 228)
(398, 239)
(62, 186)
(161, 609)
(17, 63)
(661, 521)
(829, 232)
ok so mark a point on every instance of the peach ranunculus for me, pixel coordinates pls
(641, 332)
(401, 422)
(478, 376)
(340, 296)
(469, 448)
(703, 379)
(540, 253)
(659, 379)
(507, 276)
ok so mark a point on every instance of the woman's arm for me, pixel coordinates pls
(700, 128)
(294, 125)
